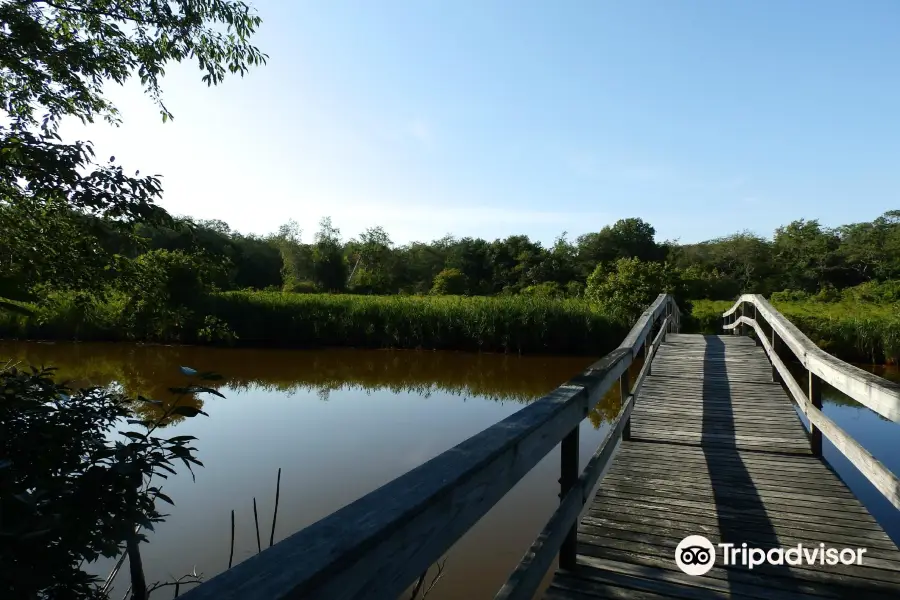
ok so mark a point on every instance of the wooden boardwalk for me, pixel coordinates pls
(705, 443)
(717, 449)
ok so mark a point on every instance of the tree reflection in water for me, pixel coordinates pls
(150, 371)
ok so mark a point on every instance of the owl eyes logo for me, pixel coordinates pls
(695, 555)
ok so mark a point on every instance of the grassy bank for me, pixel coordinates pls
(853, 331)
(517, 324)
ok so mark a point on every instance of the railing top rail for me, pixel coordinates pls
(379, 544)
(870, 467)
(876, 393)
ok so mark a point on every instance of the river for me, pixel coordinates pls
(342, 422)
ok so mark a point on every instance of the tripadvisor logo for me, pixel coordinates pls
(696, 555)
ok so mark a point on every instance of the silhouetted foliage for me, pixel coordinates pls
(55, 59)
(75, 484)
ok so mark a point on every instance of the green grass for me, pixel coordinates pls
(516, 324)
(705, 316)
(851, 330)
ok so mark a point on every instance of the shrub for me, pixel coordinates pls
(705, 316)
(886, 292)
(449, 282)
(701, 284)
(549, 289)
(789, 296)
(828, 294)
(300, 287)
(624, 293)
(70, 491)
(165, 289)
(574, 289)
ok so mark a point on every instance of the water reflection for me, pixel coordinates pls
(875, 433)
(152, 370)
(340, 423)
(343, 422)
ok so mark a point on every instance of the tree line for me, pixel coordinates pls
(803, 256)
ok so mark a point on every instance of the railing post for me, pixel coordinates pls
(568, 477)
(624, 389)
(776, 342)
(756, 318)
(742, 328)
(815, 398)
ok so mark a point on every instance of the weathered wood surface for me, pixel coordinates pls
(871, 468)
(527, 577)
(718, 450)
(872, 391)
(381, 543)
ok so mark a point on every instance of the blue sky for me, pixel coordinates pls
(493, 118)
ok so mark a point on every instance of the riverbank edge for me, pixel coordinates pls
(523, 325)
(502, 325)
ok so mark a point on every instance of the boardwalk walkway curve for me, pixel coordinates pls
(707, 442)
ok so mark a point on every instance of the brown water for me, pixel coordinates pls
(340, 423)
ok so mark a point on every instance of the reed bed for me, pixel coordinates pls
(517, 324)
(510, 324)
(850, 329)
(854, 331)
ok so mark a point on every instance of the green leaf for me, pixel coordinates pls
(164, 498)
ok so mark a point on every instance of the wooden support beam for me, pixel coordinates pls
(568, 478)
(776, 346)
(814, 393)
(624, 387)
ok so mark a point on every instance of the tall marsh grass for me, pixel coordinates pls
(851, 330)
(514, 324)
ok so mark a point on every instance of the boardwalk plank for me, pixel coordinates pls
(718, 449)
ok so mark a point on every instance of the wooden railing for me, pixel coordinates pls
(883, 397)
(379, 545)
